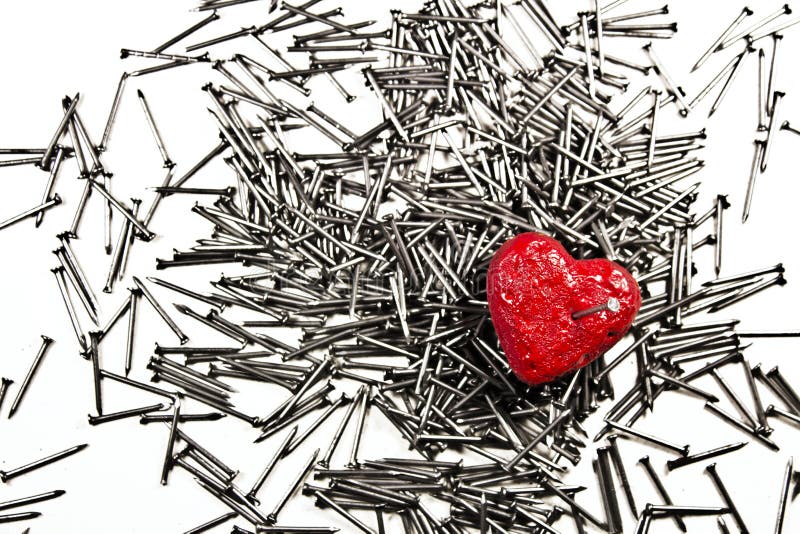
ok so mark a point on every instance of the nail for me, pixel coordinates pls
(46, 496)
(146, 234)
(569, 500)
(58, 272)
(44, 163)
(662, 491)
(784, 10)
(221, 39)
(4, 388)
(609, 494)
(587, 44)
(746, 12)
(21, 516)
(112, 115)
(132, 306)
(51, 181)
(87, 191)
(122, 242)
(711, 469)
(778, 280)
(164, 363)
(777, 96)
(722, 414)
(716, 79)
(785, 125)
(683, 385)
(363, 407)
(700, 456)
(343, 399)
(279, 453)
(758, 156)
(188, 31)
(325, 461)
(509, 465)
(107, 213)
(735, 399)
(133, 412)
(261, 529)
(729, 81)
(787, 478)
(641, 338)
(154, 129)
(370, 76)
(759, 406)
(183, 338)
(151, 211)
(94, 356)
(310, 379)
(186, 417)
(775, 375)
(72, 273)
(212, 523)
(191, 313)
(599, 38)
(622, 474)
(183, 291)
(5, 476)
(653, 125)
(612, 305)
(682, 450)
(672, 510)
(720, 205)
(230, 473)
(55, 201)
(80, 158)
(670, 84)
(302, 474)
(173, 436)
(762, 98)
(646, 517)
(137, 385)
(37, 360)
(73, 265)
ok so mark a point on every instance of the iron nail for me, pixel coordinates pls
(37, 360)
(711, 469)
(705, 455)
(116, 416)
(662, 491)
(7, 475)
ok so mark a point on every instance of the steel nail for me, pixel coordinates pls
(662, 491)
(7, 475)
(711, 469)
(94, 356)
(183, 338)
(705, 455)
(302, 474)
(746, 12)
(683, 450)
(212, 523)
(55, 201)
(116, 416)
(37, 360)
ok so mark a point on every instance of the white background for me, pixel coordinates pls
(49, 49)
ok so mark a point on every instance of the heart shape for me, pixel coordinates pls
(534, 287)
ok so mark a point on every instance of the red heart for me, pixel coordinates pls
(534, 286)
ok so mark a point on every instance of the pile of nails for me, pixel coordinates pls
(376, 252)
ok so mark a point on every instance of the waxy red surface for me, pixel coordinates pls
(534, 286)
